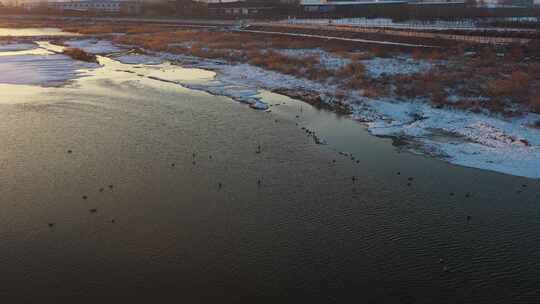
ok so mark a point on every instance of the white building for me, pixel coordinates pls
(97, 5)
(104, 6)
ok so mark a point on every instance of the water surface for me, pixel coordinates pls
(33, 32)
(137, 210)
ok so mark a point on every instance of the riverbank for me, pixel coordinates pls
(395, 94)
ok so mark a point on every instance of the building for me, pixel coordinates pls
(188, 7)
(102, 6)
(247, 8)
(516, 3)
(348, 7)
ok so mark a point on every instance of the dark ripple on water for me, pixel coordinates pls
(306, 234)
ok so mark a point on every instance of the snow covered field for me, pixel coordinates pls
(508, 145)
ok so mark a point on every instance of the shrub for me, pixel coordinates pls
(417, 54)
(516, 86)
(79, 54)
(355, 84)
(380, 52)
(353, 69)
(535, 103)
(499, 87)
(435, 55)
(534, 70)
(516, 52)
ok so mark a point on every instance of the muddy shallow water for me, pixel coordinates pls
(160, 196)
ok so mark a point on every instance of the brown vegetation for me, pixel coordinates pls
(79, 54)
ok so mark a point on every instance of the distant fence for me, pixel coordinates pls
(464, 24)
(401, 33)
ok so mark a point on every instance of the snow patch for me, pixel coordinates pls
(139, 59)
(326, 60)
(377, 67)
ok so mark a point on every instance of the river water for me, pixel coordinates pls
(116, 185)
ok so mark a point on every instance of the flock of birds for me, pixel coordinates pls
(309, 133)
(85, 197)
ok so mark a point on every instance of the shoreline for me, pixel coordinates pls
(478, 140)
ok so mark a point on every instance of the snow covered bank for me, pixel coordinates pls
(40, 69)
(243, 82)
(510, 146)
(94, 46)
